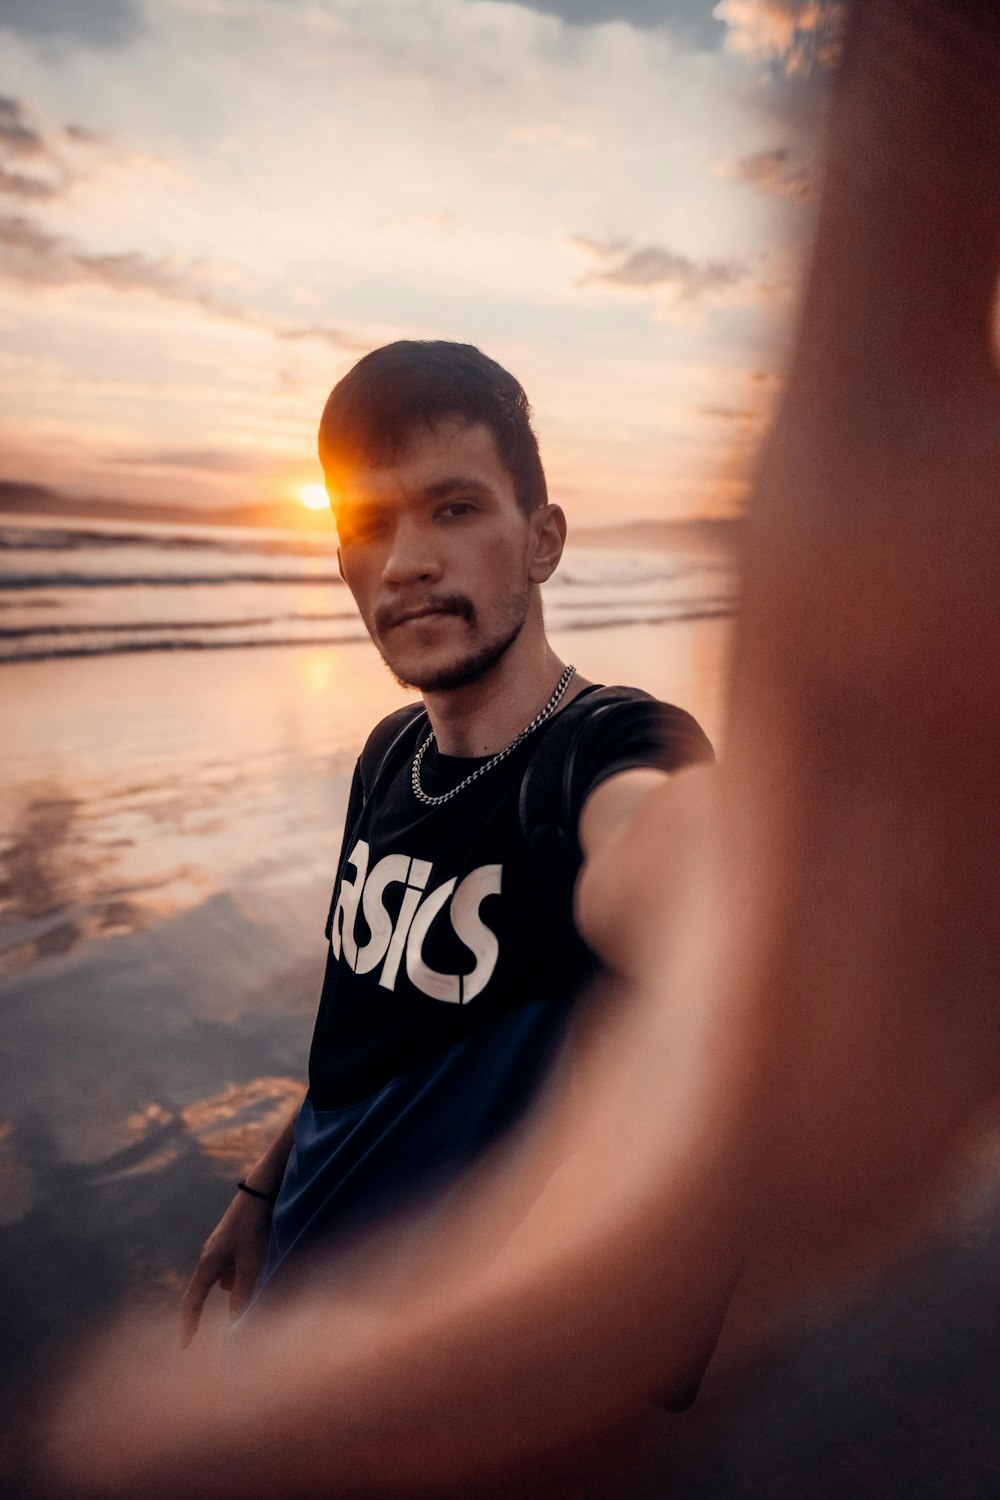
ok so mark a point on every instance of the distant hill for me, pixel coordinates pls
(18, 498)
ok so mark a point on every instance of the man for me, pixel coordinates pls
(820, 1028)
(453, 953)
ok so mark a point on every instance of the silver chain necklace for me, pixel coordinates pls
(494, 760)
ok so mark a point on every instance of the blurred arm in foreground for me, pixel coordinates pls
(818, 1026)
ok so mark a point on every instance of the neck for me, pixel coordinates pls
(485, 715)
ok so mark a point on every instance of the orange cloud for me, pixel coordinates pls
(799, 33)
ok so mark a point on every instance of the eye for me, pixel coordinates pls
(363, 528)
(456, 509)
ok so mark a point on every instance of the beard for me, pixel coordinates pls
(449, 676)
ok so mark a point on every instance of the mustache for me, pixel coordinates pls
(389, 615)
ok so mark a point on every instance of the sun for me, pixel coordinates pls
(314, 497)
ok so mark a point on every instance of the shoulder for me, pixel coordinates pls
(601, 733)
(630, 725)
(390, 731)
(387, 729)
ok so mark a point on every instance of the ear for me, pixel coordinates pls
(547, 537)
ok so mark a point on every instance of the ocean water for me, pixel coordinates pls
(98, 588)
(182, 709)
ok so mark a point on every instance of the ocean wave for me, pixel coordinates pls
(133, 627)
(698, 609)
(690, 610)
(24, 581)
(124, 648)
(608, 569)
(76, 539)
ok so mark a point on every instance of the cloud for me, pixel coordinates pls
(801, 34)
(213, 460)
(84, 137)
(22, 143)
(599, 247)
(651, 267)
(325, 333)
(17, 136)
(16, 185)
(781, 172)
(32, 256)
(690, 21)
(64, 158)
(93, 23)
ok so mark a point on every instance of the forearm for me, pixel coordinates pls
(266, 1173)
(864, 716)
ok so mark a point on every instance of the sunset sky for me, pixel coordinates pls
(212, 207)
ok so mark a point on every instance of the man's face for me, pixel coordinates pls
(437, 554)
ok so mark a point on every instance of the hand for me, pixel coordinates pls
(233, 1256)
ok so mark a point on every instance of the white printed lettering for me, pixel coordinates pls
(389, 940)
(471, 928)
(347, 904)
(392, 870)
(438, 986)
(416, 880)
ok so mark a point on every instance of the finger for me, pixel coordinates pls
(243, 1283)
(193, 1301)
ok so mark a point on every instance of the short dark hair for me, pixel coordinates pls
(371, 413)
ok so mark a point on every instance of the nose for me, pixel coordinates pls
(412, 557)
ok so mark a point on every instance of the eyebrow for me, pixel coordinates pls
(442, 488)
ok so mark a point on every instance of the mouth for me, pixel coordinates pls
(392, 619)
(412, 615)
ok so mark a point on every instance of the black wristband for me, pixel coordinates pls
(256, 1193)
